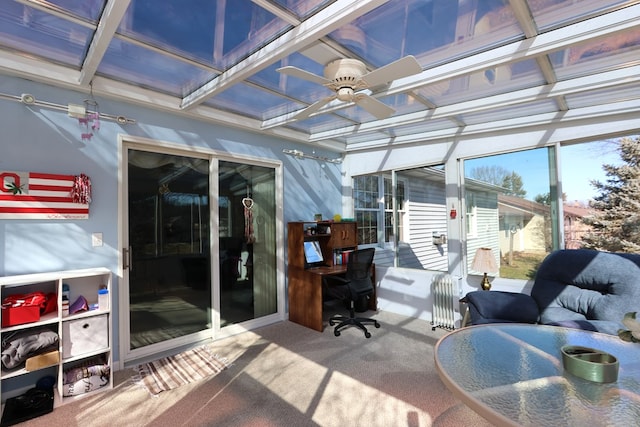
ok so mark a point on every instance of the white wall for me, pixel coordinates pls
(37, 139)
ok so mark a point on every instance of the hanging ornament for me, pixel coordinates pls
(91, 118)
(247, 204)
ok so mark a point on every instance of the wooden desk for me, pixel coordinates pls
(305, 294)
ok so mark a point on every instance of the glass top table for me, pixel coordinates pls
(512, 375)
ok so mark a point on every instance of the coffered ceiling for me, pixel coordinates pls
(485, 64)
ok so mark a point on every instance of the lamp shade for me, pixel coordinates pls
(484, 261)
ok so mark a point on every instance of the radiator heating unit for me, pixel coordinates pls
(444, 291)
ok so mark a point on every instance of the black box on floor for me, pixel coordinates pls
(32, 404)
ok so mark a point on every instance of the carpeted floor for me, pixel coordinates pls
(288, 375)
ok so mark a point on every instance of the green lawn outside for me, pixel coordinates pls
(524, 266)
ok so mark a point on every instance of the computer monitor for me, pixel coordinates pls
(313, 254)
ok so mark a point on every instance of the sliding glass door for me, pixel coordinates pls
(199, 248)
(247, 242)
(169, 252)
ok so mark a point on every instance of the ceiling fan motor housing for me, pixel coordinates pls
(344, 74)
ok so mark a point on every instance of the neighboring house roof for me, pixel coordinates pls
(576, 211)
(520, 206)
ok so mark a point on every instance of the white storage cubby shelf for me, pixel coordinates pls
(82, 337)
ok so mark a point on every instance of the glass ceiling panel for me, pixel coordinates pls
(425, 126)
(88, 9)
(303, 8)
(24, 28)
(218, 33)
(404, 103)
(135, 64)
(322, 122)
(250, 100)
(510, 112)
(294, 87)
(492, 81)
(603, 96)
(445, 30)
(619, 50)
(366, 137)
(552, 14)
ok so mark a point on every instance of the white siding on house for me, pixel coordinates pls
(425, 213)
(424, 220)
(487, 227)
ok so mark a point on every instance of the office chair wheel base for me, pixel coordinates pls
(336, 333)
(367, 335)
(376, 324)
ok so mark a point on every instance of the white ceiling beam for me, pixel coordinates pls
(524, 17)
(38, 70)
(606, 80)
(562, 38)
(112, 14)
(54, 10)
(332, 17)
(601, 113)
(278, 11)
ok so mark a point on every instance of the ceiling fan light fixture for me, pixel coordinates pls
(345, 94)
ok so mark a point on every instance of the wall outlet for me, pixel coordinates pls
(96, 239)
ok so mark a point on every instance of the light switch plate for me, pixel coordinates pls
(96, 239)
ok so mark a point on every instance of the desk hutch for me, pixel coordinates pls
(305, 285)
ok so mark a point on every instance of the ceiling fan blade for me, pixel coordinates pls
(377, 108)
(314, 107)
(302, 74)
(403, 67)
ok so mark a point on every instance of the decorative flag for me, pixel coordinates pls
(33, 195)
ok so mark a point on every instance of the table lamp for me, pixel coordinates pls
(485, 262)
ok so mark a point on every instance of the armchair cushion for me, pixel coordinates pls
(589, 287)
(577, 288)
(499, 307)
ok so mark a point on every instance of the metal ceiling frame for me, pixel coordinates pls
(308, 37)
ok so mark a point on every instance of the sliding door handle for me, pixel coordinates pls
(126, 259)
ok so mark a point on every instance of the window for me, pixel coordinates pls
(511, 208)
(420, 217)
(367, 209)
(389, 222)
(373, 199)
(471, 219)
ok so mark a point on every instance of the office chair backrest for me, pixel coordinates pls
(359, 269)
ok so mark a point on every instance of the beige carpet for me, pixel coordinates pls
(288, 375)
(177, 370)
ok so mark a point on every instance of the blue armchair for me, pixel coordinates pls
(577, 288)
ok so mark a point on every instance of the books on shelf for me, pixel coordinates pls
(341, 256)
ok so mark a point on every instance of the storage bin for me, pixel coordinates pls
(12, 316)
(84, 335)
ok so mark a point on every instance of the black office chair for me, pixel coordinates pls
(355, 286)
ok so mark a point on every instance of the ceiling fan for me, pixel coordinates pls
(347, 76)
